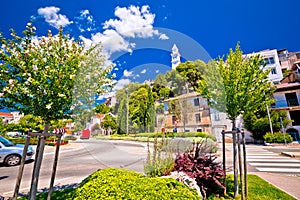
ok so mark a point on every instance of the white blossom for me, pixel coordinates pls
(48, 106)
(35, 67)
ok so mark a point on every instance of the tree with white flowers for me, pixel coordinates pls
(52, 77)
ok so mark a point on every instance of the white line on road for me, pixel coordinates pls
(263, 157)
(276, 164)
(292, 170)
(272, 160)
(262, 154)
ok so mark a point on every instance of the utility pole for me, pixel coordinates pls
(271, 128)
(127, 108)
(282, 128)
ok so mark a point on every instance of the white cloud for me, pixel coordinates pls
(157, 71)
(84, 12)
(127, 73)
(53, 18)
(143, 71)
(85, 21)
(130, 22)
(163, 37)
(121, 84)
(133, 22)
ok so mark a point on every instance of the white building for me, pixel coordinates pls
(271, 60)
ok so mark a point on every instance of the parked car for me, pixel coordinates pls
(14, 134)
(11, 154)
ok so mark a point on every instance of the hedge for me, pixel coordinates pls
(125, 184)
(278, 137)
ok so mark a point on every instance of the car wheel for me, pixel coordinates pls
(12, 160)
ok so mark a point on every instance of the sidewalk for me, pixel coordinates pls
(287, 183)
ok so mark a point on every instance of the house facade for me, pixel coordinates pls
(287, 94)
(272, 63)
(192, 115)
(10, 117)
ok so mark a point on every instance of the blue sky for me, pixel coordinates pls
(138, 35)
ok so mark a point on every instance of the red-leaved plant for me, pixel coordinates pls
(202, 166)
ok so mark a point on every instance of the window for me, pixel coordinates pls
(174, 120)
(217, 116)
(273, 71)
(198, 118)
(269, 61)
(196, 102)
(298, 55)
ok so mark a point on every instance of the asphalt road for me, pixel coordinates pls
(76, 162)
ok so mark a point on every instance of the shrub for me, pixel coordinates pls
(160, 162)
(33, 141)
(207, 173)
(175, 135)
(185, 144)
(70, 137)
(278, 137)
(124, 184)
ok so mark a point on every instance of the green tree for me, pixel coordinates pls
(122, 107)
(237, 85)
(52, 77)
(159, 86)
(258, 122)
(109, 122)
(192, 71)
(141, 107)
(102, 109)
(30, 122)
(176, 82)
(43, 76)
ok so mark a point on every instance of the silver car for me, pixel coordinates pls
(11, 154)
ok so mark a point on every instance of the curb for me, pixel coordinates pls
(291, 154)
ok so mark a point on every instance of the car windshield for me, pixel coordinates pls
(6, 142)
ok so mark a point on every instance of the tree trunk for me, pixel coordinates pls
(37, 166)
(54, 166)
(235, 169)
(224, 159)
(21, 168)
(240, 166)
(245, 164)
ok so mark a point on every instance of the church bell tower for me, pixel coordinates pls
(175, 55)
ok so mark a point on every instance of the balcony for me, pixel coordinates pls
(286, 103)
(292, 102)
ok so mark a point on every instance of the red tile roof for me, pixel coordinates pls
(5, 114)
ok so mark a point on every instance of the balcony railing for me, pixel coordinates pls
(285, 103)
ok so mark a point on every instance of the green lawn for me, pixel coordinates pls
(258, 189)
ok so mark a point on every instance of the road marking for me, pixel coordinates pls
(266, 157)
(292, 170)
(272, 160)
(262, 154)
(276, 164)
